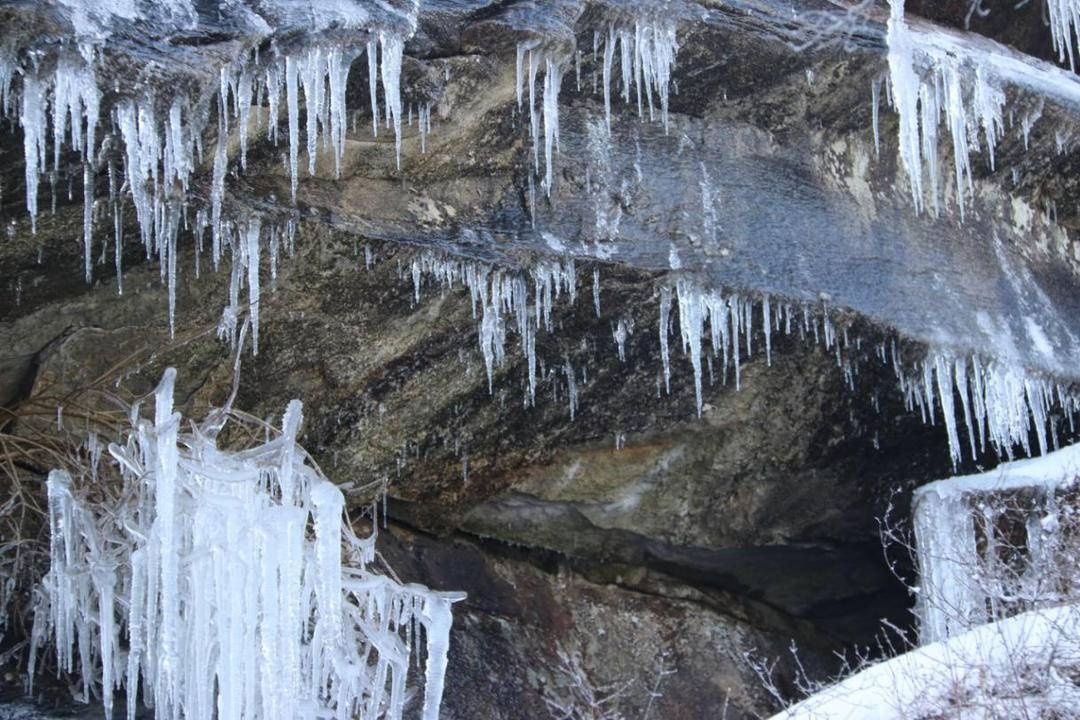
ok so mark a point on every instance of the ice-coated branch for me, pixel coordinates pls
(223, 575)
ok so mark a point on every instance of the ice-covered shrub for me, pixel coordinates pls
(229, 583)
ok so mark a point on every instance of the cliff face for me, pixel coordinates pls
(589, 508)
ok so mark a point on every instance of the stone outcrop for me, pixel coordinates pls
(633, 533)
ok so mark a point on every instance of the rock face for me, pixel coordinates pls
(606, 519)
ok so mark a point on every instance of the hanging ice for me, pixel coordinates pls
(927, 82)
(647, 57)
(498, 296)
(1000, 403)
(1064, 16)
(161, 151)
(221, 577)
(554, 68)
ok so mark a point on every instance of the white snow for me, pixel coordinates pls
(998, 630)
(928, 680)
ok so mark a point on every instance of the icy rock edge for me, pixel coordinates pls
(229, 584)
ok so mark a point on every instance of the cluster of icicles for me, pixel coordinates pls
(501, 297)
(647, 50)
(1001, 406)
(162, 141)
(935, 80)
(1064, 17)
(230, 584)
(163, 148)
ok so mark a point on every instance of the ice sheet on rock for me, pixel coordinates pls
(98, 19)
(227, 583)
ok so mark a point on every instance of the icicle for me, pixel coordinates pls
(243, 102)
(552, 84)
(170, 263)
(609, 56)
(622, 332)
(251, 250)
(166, 424)
(596, 290)
(519, 67)
(217, 185)
(665, 318)
(32, 119)
(571, 388)
(943, 86)
(1064, 20)
(292, 99)
(373, 74)
(691, 325)
(766, 326)
(392, 50)
(875, 111)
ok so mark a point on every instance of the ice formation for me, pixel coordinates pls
(530, 54)
(1064, 16)
(230, 584)
(1002, 406)
(622, 331)
(500, 296)
(928, 82)
(998, 623)
(964, 580)
(160, 143)
(647, 49)
(940, 76)
(730, 323)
